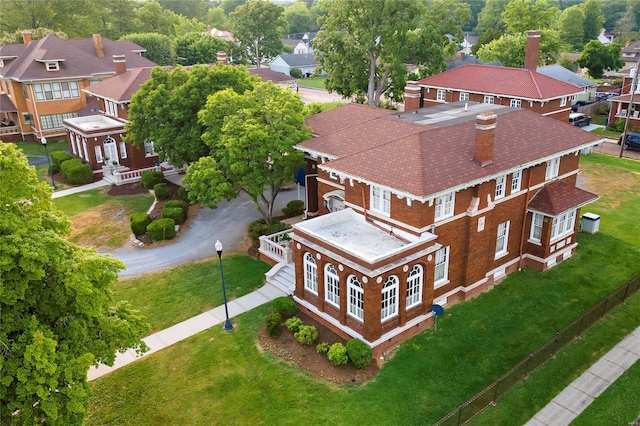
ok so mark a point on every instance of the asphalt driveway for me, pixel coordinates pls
(228, 223)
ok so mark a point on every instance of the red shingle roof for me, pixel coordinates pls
(343, 117)
(267, 74)
(513, 82)
(121, 87)
(558, 197)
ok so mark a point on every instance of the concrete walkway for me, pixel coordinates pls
(190, 327)
(572, 401)
(75, 190)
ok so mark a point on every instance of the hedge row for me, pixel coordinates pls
(76, 172)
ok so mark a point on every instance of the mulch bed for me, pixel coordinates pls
(288, 349)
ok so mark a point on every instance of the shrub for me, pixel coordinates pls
(57, 158)
(293, 324)
(150, 178)
(618, 126)
(284, 306)
(272, 324)
(295, 72)
(139, 223)
(322, 348)
(175, 213)
(337, 354)
(178, 203)
(359, 353)
(162, 191)
(163, 229)
(260, 227)
(307, 334)
(76, 172)
(294, 208)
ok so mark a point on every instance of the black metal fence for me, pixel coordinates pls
(495, 390)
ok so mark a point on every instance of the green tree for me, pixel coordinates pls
(485, 38)
(197, 48)
(519, 16)
(251, 137)
(612, 11)
(216, 18)
(159, 49)
(58, 315)
(183, 26)
(152, 19)
(597, 58)
(626, 25)
(570, 27)
(230, 5)
(258, 26)
(299, 18)
(118, 18)
(364, 45)
(165, 108)
(489, 17)
(593, 19)
(36, 34)
(510, 49)
(188, 8)
(565, 61)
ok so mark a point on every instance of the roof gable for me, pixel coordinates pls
(345, 116)
(121, 87)
(557, 197)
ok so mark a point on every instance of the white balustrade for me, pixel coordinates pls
(276, 246)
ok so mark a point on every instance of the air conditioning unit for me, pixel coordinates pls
(590, 223)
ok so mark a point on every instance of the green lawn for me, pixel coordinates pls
(31, 148)
(315, 82)
(606, 133)
(599, 119)
(171, 296)
(222, 378)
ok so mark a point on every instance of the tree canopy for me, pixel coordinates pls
(519, 16)
(251, 138)
(58, 314)
(165, 108)
(258, 26)
(299, 18)
(597, 58)
(159, 49)
(196, 48)
(510, 49)
(571, 27)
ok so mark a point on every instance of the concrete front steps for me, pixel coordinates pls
(282, 276)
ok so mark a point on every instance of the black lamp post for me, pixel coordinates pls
(43, 140)
(227, 324)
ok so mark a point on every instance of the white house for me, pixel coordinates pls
(284, 62)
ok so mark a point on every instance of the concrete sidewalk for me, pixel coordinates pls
(88, 187)
(572, 401)
(188, 328)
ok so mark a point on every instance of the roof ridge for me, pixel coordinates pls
(535, 82)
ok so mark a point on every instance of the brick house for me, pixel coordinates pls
(434, 205)
(497, 85)
(619, 105)
(41, 81)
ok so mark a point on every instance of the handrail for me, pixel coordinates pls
(276, 246)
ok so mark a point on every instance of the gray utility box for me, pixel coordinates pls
(590, 223)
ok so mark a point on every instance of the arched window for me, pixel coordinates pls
(110, 150)
(414, 286)
(310, 273)
(389, 298)
(332, 285)
(356, 298)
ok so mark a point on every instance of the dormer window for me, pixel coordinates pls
(52, 66)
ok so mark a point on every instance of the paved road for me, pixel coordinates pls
(228, 223)
(309, 94)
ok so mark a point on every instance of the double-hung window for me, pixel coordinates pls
(441, 270)
(441, 95)
(501, 183)
(464, 96)
(502, 239)
(553, 166)
(536, 227)
(380, 200)
(488, 99)
(332, 285)
(444, 206)
(414, 286)
(356, 298)
(563, 224)
(563, 101)
(516, 178)
(389, 305)
(310, 273)
(515, 103)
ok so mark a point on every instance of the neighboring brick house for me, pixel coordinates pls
(434, 205)
(42, 80)
(497, 85)
(619, 109)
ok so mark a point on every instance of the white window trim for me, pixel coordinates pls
(331, 280)
(537, 217)
(98, 152)
(444, 206)
(389, 299)
(355, 292)
(441, 95)
(52, 66)
(310, 273)
(568, 221)
(149, 149)
(488, 99)
(414, 286)
(515, 103)
(123, 150)
(443, 253)
(501, 187)
(553, 168)
(516, 181)
(464, 96)
(380, 200)
(502, 234)
(563, 101)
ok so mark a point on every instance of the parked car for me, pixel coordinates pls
(601, 96)
(577, 119)
(632, 141)
(581, 103)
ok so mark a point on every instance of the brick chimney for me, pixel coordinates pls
(97, 44)
(26, 37)
(485, 135)
(221, 57)
(411, 96)
(121, 64)
(533, 50)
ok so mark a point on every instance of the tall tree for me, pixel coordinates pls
(593, 19)
(571, 27)
(36, 34)
(230, 5)
(597, 58)
(364, 45)
(118, 18)
(510, 49)
(299, 18)
(485, 38)
(523, 15)
(258, 26)
(26, 14)
(159, 49)
(251, 137)
(165, 108)
(216, 18)
(612, 11)
(188, 8)
(58, 313)
(625, 27)
(152, 18)
(489, 17)
(196, 48)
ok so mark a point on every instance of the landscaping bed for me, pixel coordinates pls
(288, 349)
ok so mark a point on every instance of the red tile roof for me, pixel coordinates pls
(424, 160)
(78, 56)
(121, 87)
(505, 81)
(267, 74)
(558, 197)
(343, 117)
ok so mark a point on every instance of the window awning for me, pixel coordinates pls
(558, 197)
